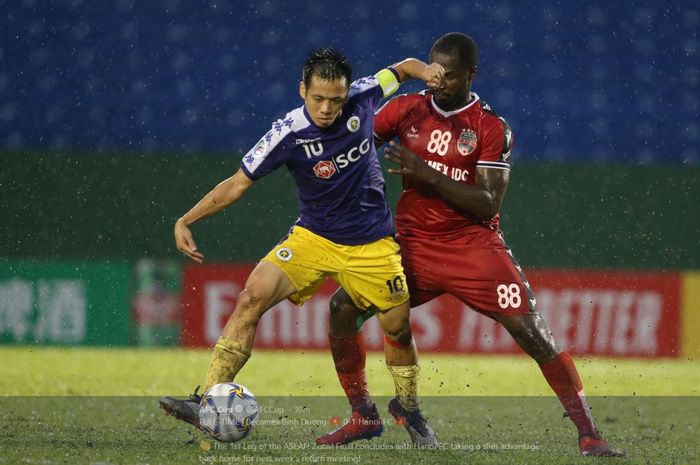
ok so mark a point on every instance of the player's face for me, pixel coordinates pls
(453, 93)
(324, 100)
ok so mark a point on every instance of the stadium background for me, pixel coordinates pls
(115, 117)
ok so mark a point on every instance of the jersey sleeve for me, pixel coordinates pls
(267, 155)
(386, 120)
(375, 88)
(367, 89)
(497, 146)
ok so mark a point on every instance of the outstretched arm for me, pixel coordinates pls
(483, 199)
(412, 68)
(223, 195)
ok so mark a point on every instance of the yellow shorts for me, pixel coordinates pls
(370, 273)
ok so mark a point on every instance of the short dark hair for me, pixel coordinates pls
(458, 44)
(328, 64)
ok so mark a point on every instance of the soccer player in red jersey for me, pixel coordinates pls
(454, 156)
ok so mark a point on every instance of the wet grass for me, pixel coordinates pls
(72, 406)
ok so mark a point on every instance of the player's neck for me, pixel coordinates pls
(469, 98)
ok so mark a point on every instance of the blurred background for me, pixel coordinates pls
(116, 117)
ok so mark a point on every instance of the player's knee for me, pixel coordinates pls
(338, 306)
(399, 335)
(341, 305)
(532, 334)
(250, 305)
(343, 315)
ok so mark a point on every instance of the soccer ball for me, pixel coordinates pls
(228, 412)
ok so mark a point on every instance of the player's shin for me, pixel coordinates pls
(349, 356)
(405, 407)
(402, 362)
(228, 358)
(562, 376)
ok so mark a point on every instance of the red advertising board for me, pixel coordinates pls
(603, 313)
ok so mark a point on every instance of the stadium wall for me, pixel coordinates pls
(638, 314)
(64, 302)
(87, 255)
(82, 206)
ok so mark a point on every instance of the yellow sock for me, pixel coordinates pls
(406, 383)
(226, 361)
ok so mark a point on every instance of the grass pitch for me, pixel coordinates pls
(100, 406)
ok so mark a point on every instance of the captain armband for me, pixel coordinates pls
(388, 80)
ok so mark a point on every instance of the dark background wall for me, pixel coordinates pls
(116, 117)
(580, 81)
(555, 215)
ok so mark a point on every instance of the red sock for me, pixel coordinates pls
(349, 357)
(562, 376)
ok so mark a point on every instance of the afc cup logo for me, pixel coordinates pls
(284, 254)
(260, 148)
(324, 169)
(353, 123)
(467, 142)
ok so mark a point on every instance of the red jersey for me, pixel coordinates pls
(454, 143)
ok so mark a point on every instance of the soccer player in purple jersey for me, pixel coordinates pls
(344, 230)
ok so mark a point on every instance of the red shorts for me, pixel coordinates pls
(481, 273)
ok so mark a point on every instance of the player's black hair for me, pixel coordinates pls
(328, 64)
(458, 44)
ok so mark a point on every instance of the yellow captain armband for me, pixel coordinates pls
(388, 80)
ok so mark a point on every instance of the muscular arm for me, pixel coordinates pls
(483, 199)
(412, 68)
(223, 195)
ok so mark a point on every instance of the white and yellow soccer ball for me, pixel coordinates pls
(228, 412)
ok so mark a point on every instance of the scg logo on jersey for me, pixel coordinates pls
(324, 169)
(354, 154)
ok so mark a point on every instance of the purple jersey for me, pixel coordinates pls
(339, 181)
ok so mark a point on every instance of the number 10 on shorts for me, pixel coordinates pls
(395, 285)
(508, 295)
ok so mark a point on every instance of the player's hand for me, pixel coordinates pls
(411, 164)
(433, 75)
(185, 242)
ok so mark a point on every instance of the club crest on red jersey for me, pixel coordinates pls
(466, 143)
(324, 169)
